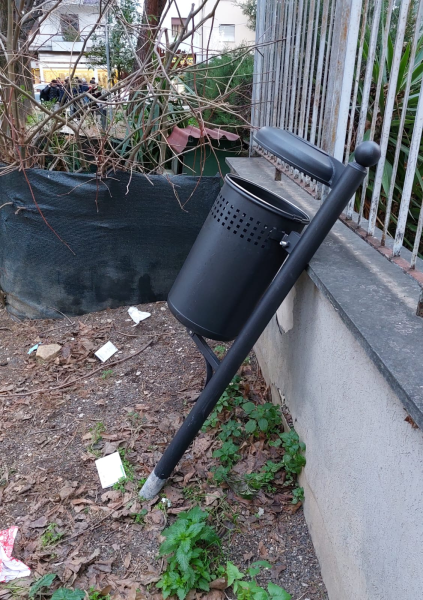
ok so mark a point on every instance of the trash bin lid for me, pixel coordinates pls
(267, 199)
(300, 154)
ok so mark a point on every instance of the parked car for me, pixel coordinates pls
(37, 89)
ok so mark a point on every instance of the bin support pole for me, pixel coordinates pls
(291, 270)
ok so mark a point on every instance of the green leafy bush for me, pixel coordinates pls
(263, 417)
(187, 549)
(250, 590)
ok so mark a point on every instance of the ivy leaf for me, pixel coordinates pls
(233, 573)
(67, 594)
(276, 592)
(250, 426)
(44, 581)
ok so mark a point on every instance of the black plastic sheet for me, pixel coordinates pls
(123, 238)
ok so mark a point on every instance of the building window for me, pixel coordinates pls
(227, 33)
(69, 25)
(177, 26)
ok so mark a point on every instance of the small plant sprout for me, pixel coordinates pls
(250, 590)
(220, 351)
(297, 495)
(119, 486)
(107, 373)
(51, 535)
(139, 518)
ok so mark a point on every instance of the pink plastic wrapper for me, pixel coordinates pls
(10, 568)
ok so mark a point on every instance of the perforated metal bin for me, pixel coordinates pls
(234, 258)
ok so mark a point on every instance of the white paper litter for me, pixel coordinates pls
(10, 568)
(110, 469)
(137, 315)
(106, 351)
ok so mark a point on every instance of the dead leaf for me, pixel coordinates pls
(188, 476)
(213, 496)
(127, 560)
(81, 501)
(248, 555)
(41, 522)
(219, 584)
(65, 492)
(149, 577)
(214, 595)
(292, 508)
(176, 511)
(201, 445)
(111, 447)
(173, 494)
(112, 495)
(157, 517)
(262, 551)
(276, 570)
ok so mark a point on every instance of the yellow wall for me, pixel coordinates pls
(61, 72)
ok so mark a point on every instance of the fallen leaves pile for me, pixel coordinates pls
(58, 416)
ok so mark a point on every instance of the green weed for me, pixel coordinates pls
(141, 482)
(262, 417)
(263, 479)
(119, 486)
(51, 536)
(139, 518)
(220, 351)
(230, 429)
(68, 594)
(230, 398)
(96, 432)
(107, 373)
(194, 493)
(187, 550)
(44, 582)
(220, 474)
(297, 495)
(94, 594)
(227, 453)
(293, 459)
(250, 590)
(128, 467)
(39, 588)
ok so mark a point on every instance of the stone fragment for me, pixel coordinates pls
(48, 352)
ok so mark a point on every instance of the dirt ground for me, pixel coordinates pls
(58, 417)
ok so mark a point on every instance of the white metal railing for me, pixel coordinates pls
(317, 74)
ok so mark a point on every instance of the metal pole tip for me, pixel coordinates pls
(367, 154)
(152, 486)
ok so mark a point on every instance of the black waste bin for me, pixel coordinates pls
(234, 258)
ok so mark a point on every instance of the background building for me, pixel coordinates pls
(226, 31)
(60, 41)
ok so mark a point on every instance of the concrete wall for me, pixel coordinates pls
(344, 352)
(363, 480)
